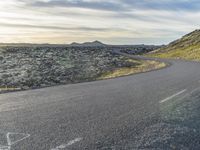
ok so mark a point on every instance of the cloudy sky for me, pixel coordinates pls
(110, 21)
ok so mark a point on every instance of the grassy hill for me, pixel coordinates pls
(187, 47)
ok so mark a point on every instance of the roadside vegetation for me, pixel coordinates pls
(188, 48)
(142, 66)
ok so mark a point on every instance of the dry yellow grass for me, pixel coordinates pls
(143, 67)
(189, 53)
(188, 48)
(6, 89)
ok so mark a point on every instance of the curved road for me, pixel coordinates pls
(153, 110)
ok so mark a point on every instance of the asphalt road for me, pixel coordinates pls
(154, 110)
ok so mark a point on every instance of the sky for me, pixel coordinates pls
(109, 21)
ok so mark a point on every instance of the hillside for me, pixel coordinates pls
(187, 47)
(88, 44)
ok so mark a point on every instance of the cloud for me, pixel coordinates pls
(176, 5)
(120, 5)
(52, 27)
(126, 21)
(99, 5)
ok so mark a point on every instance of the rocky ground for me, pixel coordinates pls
(34, 67)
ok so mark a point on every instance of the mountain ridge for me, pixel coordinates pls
(94, 43)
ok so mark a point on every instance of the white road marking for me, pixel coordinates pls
(63, 146)
(4, 147)
(11, 133)
(10, 143)
(170, 97)
(194, 90)
(74, 141)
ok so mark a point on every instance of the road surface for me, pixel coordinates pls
(154, 110)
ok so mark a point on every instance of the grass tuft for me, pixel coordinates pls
(143, 66)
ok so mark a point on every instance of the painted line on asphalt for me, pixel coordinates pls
(172, 96)
(4, 147)
(10, 142)
(21, 139)
(63, 146)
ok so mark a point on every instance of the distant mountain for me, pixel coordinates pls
(187, 47)
(89, 44)
(74, 44)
